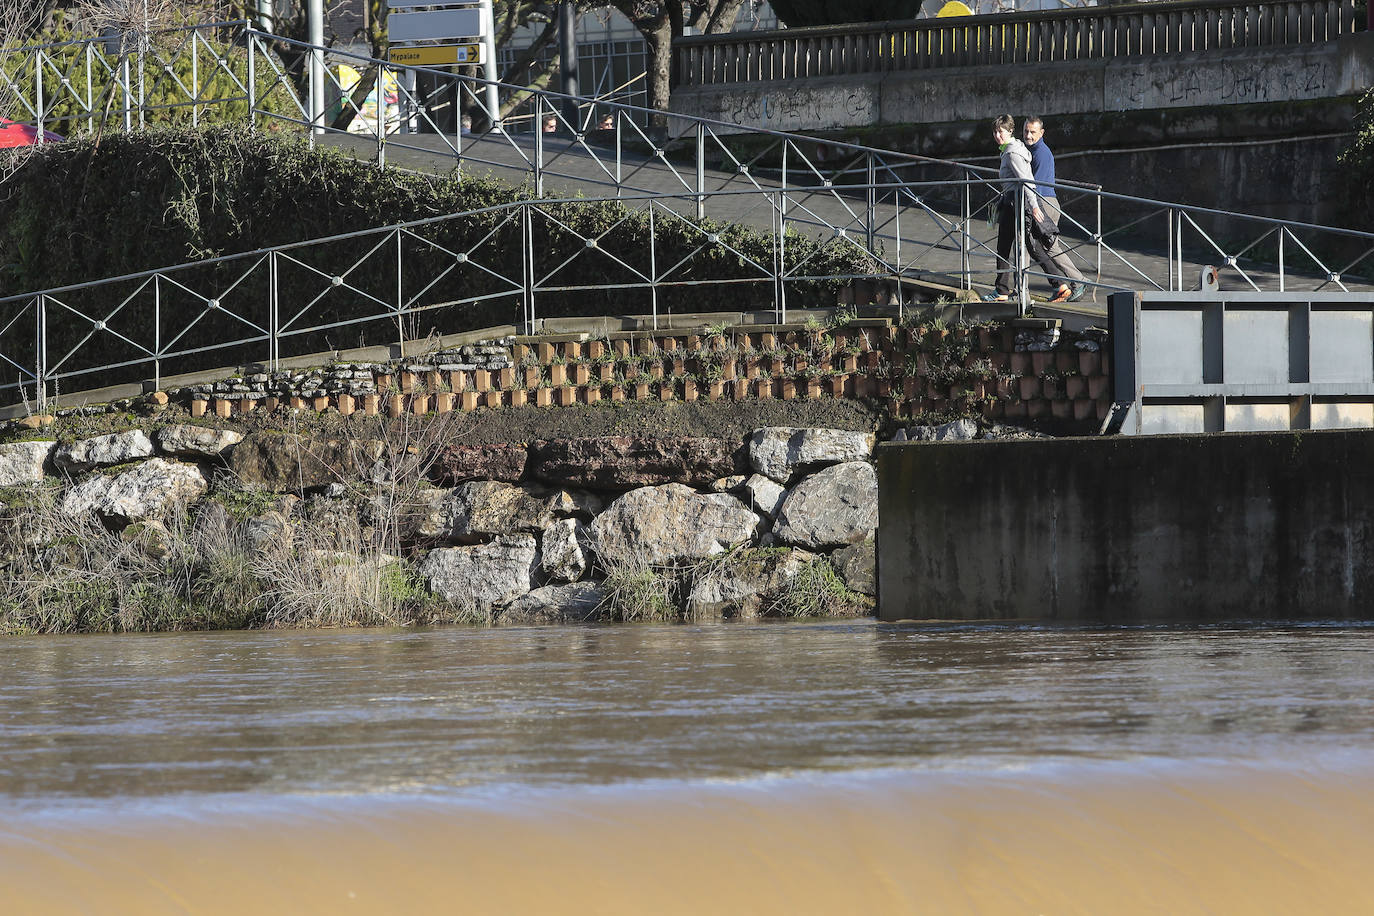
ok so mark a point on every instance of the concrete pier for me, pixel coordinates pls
(1129, 529)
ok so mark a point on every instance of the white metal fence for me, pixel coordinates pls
(911, 218)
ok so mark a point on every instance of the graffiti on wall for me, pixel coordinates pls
(805, 109)
(1235, 83)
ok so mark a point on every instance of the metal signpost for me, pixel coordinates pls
(445, 33)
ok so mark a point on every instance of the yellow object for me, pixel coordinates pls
(954, 8)
(436, 55)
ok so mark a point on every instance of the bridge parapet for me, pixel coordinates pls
(1078, 34)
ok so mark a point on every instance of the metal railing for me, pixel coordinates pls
(523, 261)
(1081, 33)
(911, 217)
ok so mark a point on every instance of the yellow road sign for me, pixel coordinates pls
(436, 55)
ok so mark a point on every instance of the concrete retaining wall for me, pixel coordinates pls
(1226, 77)
(1128, 529)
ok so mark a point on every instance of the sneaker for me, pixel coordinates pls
(1079, 291)
(1061, 295)
(996, 297)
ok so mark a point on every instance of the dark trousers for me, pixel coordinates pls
(1006, 238)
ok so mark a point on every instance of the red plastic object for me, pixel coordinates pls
(13, 134)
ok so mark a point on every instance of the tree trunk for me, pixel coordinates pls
(659, 40)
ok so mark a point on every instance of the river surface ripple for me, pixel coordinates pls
(479, 713)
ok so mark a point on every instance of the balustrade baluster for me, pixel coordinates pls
(1077, 35)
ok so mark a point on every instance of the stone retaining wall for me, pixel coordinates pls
(1020, 372)
(512, 533)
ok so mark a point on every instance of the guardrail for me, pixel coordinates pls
(519, 262)
(792, 188)
(1080, 33)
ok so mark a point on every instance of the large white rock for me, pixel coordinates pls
(22, 462)
(479, 509)
(151, 489)
(102, 451)
(484, 575)
(745, 584)
(664, 524)
(573, 603)
(834, 507)
(764, 494)
(561, 558)
(781, 452)
(85, 496)
(186, 441)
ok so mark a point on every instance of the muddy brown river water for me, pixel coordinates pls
(830, 767)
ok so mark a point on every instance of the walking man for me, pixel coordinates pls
(1042, 167)
(1015, 172)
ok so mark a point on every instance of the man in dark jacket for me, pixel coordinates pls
(1042, 167)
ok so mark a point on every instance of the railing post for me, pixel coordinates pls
(780, 263)
(785, 145)
(701, 170)
(1098, 236)
(965, 242)
(157, 332)
(252, 81)
(195, 78)
(273, 314)
(1023, 287)
(1178, 242)
(41, 346)
(142, 88)
(1169, 245)
(653, 266)
(38, 97)
(381, 117)
(527, 265)
(870, 215)
(128, 97)
(618, 176)
(1283, 230)
(538, 146)
(400, 300)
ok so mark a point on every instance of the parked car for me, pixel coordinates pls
(12, 134)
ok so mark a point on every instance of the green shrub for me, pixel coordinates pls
(81, 211)
(1358, 161)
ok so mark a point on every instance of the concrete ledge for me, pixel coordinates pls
(1129, 529)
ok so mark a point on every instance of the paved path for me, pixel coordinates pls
(922, 240)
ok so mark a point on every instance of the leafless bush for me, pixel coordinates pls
(635, 588)
(72, 574)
